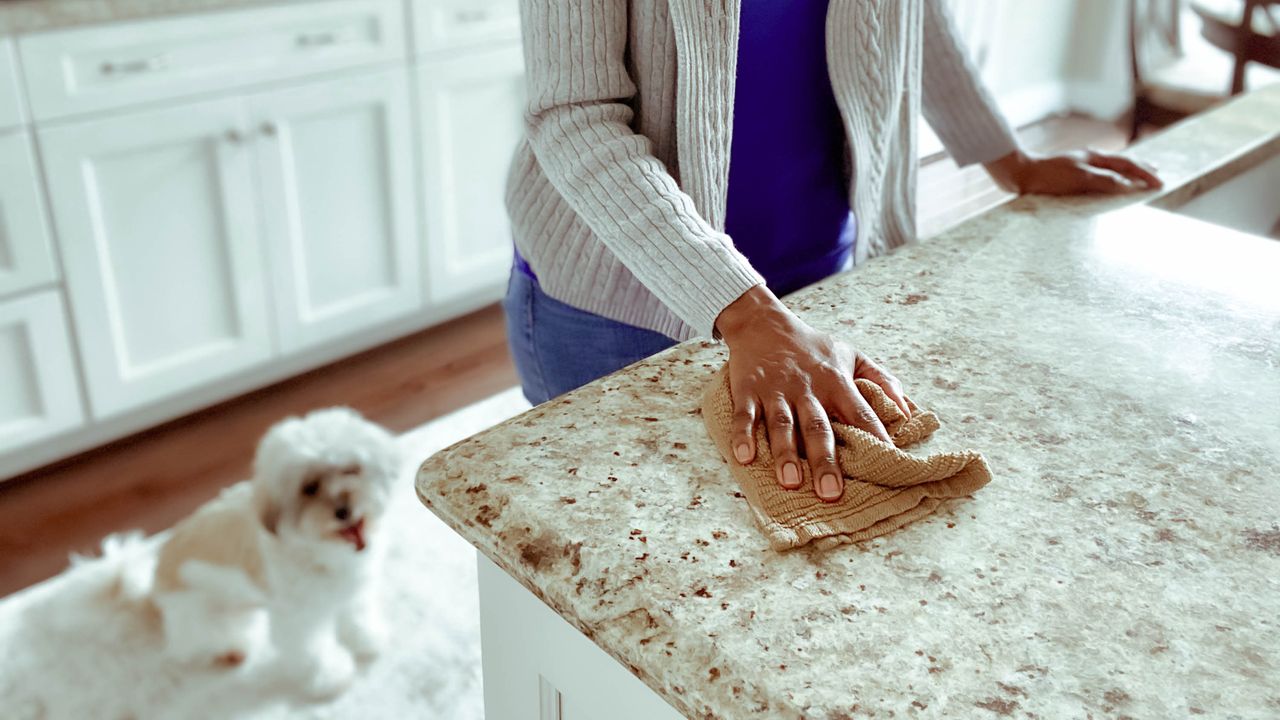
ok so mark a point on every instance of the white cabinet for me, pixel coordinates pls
(26, 257)
(190, 233)
(472, 112)
(337, 195)
(86, 69)
(39, 393)
(449, 24)
(155, 214)
(537, 665)
(240, 195)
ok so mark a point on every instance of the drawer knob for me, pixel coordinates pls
(467, 17)
(318, 39)
(235, 137)
(134, 67)
(268, 128)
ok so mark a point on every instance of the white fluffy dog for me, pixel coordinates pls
(284, 566)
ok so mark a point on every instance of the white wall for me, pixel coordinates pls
(1098, 72)
(1025, 56)
(1046, 56)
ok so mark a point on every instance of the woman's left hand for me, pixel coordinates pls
(1074, 173)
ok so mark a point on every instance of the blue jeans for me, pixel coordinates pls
(558, 347)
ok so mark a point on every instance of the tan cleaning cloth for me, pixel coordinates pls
(884, 489)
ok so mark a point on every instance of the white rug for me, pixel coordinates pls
(64, 657)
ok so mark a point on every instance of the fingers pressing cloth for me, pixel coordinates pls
(885, 487)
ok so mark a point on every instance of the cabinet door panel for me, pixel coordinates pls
(26, 259)
(156, 219)
(337, 184)
(39, 392)
(472, 110)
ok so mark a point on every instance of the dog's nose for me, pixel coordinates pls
(342, 513)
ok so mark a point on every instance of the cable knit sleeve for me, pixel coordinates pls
(578, 124)
(956, 104)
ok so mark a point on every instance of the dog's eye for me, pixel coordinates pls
(311, 488)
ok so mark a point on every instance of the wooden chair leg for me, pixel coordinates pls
(1237, 73)
(1243, 33)
(1136, 116)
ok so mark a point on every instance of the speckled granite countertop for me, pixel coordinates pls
(23, 16)
(1120, 368)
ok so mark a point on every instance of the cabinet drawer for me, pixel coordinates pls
(10, 92)
(447, 24)
(26, 257)
(39, 393)
(96, 68)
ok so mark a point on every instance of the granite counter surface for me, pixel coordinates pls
(24, 16)
(1120, 368)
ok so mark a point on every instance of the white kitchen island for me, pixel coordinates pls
(1117, 364)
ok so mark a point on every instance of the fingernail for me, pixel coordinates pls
(742, 452)
(829, 486)
(790, 475)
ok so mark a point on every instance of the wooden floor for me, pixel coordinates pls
(151, 480)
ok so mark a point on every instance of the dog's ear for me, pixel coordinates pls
(270, 463)
(267, 508)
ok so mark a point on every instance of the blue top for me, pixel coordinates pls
(788, 206)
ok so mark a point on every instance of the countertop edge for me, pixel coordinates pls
(29, 17)
(679, 701)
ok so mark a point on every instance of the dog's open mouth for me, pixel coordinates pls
(354, 534)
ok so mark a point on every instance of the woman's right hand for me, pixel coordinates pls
(796, 381)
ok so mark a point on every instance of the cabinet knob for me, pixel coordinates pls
(467, 17)
(268, 128)
(316, 39)
(133, 67)
(235, 137)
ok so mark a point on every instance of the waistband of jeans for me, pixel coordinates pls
(523, 266)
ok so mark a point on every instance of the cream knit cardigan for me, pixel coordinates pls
(617, 193)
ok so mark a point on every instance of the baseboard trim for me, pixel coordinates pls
(96, 433)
